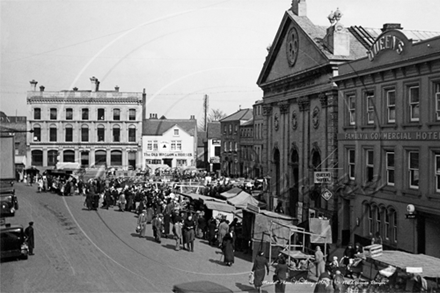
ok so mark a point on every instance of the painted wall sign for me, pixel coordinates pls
(413, 135)
(386, 42)
(323, 177)
(167, 154)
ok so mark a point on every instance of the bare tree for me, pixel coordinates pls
(215, 115)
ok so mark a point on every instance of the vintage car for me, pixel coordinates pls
(13, 242)
(8, 202)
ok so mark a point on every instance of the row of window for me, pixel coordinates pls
(84, 134)
(85, 114)
(230, 127)
(411, 166)
(379, 219)
(230, 146)
(153, 145)
(53, 156)
(410, 111)
(247, 132)
(179, 162)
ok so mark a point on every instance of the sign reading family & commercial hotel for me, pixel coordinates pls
(148, 154)
(403, 135)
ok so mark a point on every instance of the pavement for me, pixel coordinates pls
(78, 250)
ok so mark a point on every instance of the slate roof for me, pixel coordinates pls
(242, 114)
(160, 126)
(214, 130)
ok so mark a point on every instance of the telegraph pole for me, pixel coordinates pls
(205, 108)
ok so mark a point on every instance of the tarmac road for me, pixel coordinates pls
(77, 250)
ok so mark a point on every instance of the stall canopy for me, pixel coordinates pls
(264, 227)
(205, 198)
(218, 206)
(231, 193)
(430, 265)
(242, 199)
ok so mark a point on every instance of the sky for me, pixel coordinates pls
(177, 50)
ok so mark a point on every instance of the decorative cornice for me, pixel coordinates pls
(323, 100)
(82, 101)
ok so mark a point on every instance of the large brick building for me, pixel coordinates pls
(389, 142)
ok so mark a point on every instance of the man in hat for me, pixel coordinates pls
(142, 224)
(29, 232)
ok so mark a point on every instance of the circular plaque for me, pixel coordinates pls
(292, 46)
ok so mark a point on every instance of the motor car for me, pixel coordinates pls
(201, 287)
(13, 242)
(8, 202)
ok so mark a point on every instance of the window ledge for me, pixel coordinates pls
(431, 124)
(394, 126)
(366, 126)
(349, 127)
(411, 125)
(411, 193)
(390, 189)
(434, 196)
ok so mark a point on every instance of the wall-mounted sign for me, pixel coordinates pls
(326, 194)
(386, 42)
(323, 177)
(216, 141)
(148, 154)
(414, 270)
(214, 160)
(413, 135)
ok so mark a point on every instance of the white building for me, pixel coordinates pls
(171, 142)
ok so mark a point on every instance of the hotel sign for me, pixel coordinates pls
(151, 154)
(386, 42)
(398, 135)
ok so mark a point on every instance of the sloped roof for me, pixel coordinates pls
(159, 126)
(214, 130)
(242, 114)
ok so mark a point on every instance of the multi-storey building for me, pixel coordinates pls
(389, 142)
(171, 142)
(247, 158)
(230, 140)
(90, 127)
(213, 146)
(300, 110)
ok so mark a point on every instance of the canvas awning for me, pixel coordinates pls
(430, 265)
(218, 206)
(205, 198)
(231, 193)
(242, 199)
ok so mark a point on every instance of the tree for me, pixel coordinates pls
(215, 115)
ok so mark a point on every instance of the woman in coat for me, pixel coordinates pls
(142, 223)
(223, 229)
(228, 247)
(188, 230)
(177, 230)
(259, 273)
(212, 226)
(281, 275)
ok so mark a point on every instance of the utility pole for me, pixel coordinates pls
(205, 108)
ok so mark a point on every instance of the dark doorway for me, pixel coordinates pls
(168, 162)
(294, 188)
(276, 159)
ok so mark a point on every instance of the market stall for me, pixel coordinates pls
(242, 199)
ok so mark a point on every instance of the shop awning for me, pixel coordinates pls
(231, 193)
(430, 265)
(218, 206)
(242, 199)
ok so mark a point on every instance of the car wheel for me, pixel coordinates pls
(16, 206)
(25, 256)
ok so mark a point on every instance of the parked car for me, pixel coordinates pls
(8, 202)
(13, 242)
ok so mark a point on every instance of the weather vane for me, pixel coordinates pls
(334, 17)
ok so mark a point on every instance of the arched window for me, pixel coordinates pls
(69, 156)
(116, 133)
(369, 213)
(84, 133)
(68, 133)
(52, 157)
(132, 114)
(85, 158)
(101, 133)
(132, 133)
(393, 225)
(37, 158)
(37, 133)
(100, 157)
(116, 158)
(53, 133)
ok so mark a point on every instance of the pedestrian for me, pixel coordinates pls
(212, 226)
(319, 261)
(377, 239)
(258, 268)
(177, 230)
(142, 224)
(122, 202)
(188, 230)
(150, 210)
(167, 216)
(228, 247)
(29, 233)
(338, 282)
(324, 284)
(201, 226)
(223, 229)
(157, 225)
(280, 275)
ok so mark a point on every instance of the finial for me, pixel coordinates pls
(334, 17)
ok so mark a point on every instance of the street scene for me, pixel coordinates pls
(220, 146)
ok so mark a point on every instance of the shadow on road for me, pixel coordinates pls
(170, 246)
(217, 261)
(247, 288)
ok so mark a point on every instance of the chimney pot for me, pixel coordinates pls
(95, 84)
(391, 26)
(299, 7)
(75, 89)
(116, 88)
(33, 85)
(42, 88)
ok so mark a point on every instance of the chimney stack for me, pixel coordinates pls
(299, 7)
(33, 85)
(144, 102)
(153, 116)
(192, 117)
(95, 84)
(116, 89)
(42, 88)
(75, 89)
(337, 40)
(391, 26)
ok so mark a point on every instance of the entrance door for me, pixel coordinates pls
(168, 162)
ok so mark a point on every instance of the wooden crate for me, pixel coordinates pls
(373, 250)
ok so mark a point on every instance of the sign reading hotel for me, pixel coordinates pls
(323, 177)
(166, 154)
(397, 135)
